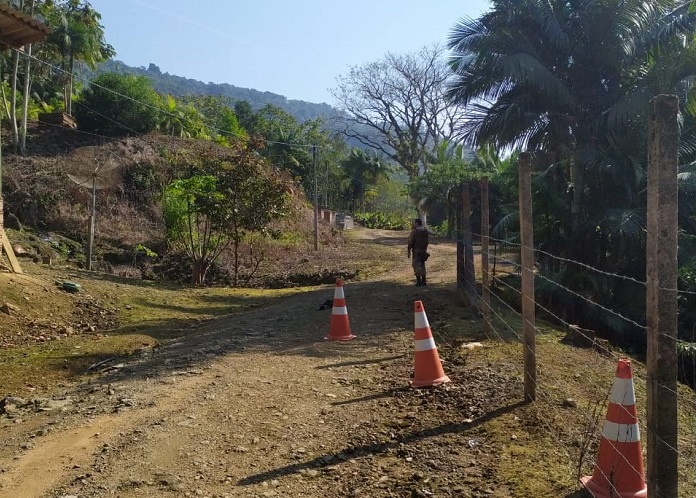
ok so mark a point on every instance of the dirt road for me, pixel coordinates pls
(256, 404)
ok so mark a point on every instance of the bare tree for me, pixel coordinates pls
(397, 106)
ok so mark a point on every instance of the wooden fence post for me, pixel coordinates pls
(466, 273)
(485, 273)
(470, 271)
(527, 252)
(461, 253)
(661, 300)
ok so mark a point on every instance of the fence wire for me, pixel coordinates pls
(686, 398)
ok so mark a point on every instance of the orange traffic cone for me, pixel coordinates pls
(619, 467)
(428, 369)
(340, 327)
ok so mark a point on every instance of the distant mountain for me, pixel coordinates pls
(180, 86)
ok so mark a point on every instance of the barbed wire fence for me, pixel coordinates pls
(509, 310)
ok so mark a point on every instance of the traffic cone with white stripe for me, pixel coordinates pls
(619, 467)
(340, 327)
(428, 369)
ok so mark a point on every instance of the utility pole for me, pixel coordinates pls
(92, 224)
(316, 199)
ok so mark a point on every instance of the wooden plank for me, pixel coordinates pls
(58, 118)
(14, 264)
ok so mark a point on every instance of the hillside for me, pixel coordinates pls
(166, 83)
(47, 214)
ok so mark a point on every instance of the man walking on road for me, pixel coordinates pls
(418, 250)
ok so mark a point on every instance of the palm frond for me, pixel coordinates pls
(508, 223)
(625, 110)
(530, 71)
(628, 224)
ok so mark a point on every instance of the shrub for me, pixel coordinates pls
(383, 221)
(442, 229)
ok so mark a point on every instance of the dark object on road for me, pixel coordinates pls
(328, 304)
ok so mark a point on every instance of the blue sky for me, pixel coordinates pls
(293, 48)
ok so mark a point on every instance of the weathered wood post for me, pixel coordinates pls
(466, 273)
(485, 273)
(470, 275)
(661, 307)
(527, 250)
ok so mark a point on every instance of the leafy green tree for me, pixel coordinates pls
(218, 115)
(362, 171)
(118, 105)
(229, 195)
(245, 116)
(255, 199)
(330, 175)
(19, 61)
(194, 213)
(180, 120)
(289, 144)
(441, 184)
(571, 82)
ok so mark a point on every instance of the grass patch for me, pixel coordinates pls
(554, 441)
(43, 367)
(168, 313)
(148, 313)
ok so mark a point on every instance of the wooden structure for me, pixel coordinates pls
(328, 215)
(527, 270)
(16, 30)
(58, 119)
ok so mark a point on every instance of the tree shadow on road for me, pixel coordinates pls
(360, 362)
(371, 397)
(351, 453)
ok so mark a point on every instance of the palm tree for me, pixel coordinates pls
(362, 169)
(571, 81)
(77, 36)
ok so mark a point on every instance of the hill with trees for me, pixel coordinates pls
(179, 86)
